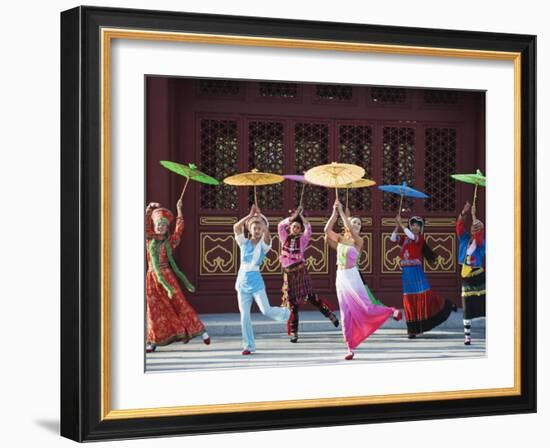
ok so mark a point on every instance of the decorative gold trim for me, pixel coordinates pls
(368, 252)
(366, 221)
(107, 34)
(271, 265)
(517, 220)
(387, 222)
(317, 220)
(218, 39)
(217, 237)
(306, 404)
(440, 222)
(440, 261)
(218, 220)
(105, 225)
(384, 236)
(321, 266)
(430, 222)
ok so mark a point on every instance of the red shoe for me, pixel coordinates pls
(207, 340)
(246, 352)
(349, 356)
(288, 323)
(398, 316)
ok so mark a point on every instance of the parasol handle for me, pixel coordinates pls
(255, 197)
(184, 187)
(347, 197)
(475, 196)
(400, 204)
(302, 195)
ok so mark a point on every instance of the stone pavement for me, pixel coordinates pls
(319, 343)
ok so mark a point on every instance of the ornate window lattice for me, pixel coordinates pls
(439, 164)
(388, 95)
(265, 152)
(440, 96)
(311, 141)
(278, 89)
(355, 146)
(219, 159)
(398, 163)
(334, 92)
(219, 87)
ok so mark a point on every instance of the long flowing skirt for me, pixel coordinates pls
(359, 316)
(473, 294)
(169, 319)
(424, 309)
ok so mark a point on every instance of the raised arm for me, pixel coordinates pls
(405, 229)
(238, 227)
(329, 226)
(478, 236)
(282, 229)
(308, 231)
(175, 238)
(149, 231)
(460, 228)
(265, 227)
(347, 223)
(394, 236)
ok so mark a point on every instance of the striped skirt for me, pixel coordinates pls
(424, 309)
(473, 294)
(297, 285)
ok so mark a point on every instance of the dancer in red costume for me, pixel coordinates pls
(169, 316)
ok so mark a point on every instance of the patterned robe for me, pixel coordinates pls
(168, 319)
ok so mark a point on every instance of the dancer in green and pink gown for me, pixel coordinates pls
(359, 316)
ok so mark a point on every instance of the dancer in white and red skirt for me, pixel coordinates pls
(295, 235)
(424, 309)
(360, 317)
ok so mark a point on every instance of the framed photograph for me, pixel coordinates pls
(274, 224)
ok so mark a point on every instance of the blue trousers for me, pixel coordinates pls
(277, 313)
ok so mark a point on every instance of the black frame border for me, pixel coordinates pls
(81, 223)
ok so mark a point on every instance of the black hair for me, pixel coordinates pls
(299, 220)
(428, 252)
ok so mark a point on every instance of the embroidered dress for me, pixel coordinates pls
(297, 286)
(360, 317)
(424, 309)
(471, 251)
(169, 316)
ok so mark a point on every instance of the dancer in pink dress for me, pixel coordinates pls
(359, 316)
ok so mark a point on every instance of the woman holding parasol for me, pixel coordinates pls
(295, 234)
(360, 317)
(169, 316)
(424, 309)
(471, 251)
(250, 284)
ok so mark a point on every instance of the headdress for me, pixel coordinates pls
(162, 213)
(417, 220)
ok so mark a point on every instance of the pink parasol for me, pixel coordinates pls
(298, 178)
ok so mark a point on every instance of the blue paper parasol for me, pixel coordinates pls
(403, 190)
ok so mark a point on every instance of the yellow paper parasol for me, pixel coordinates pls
(253, 178)
(334, 175)
(361, 183)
